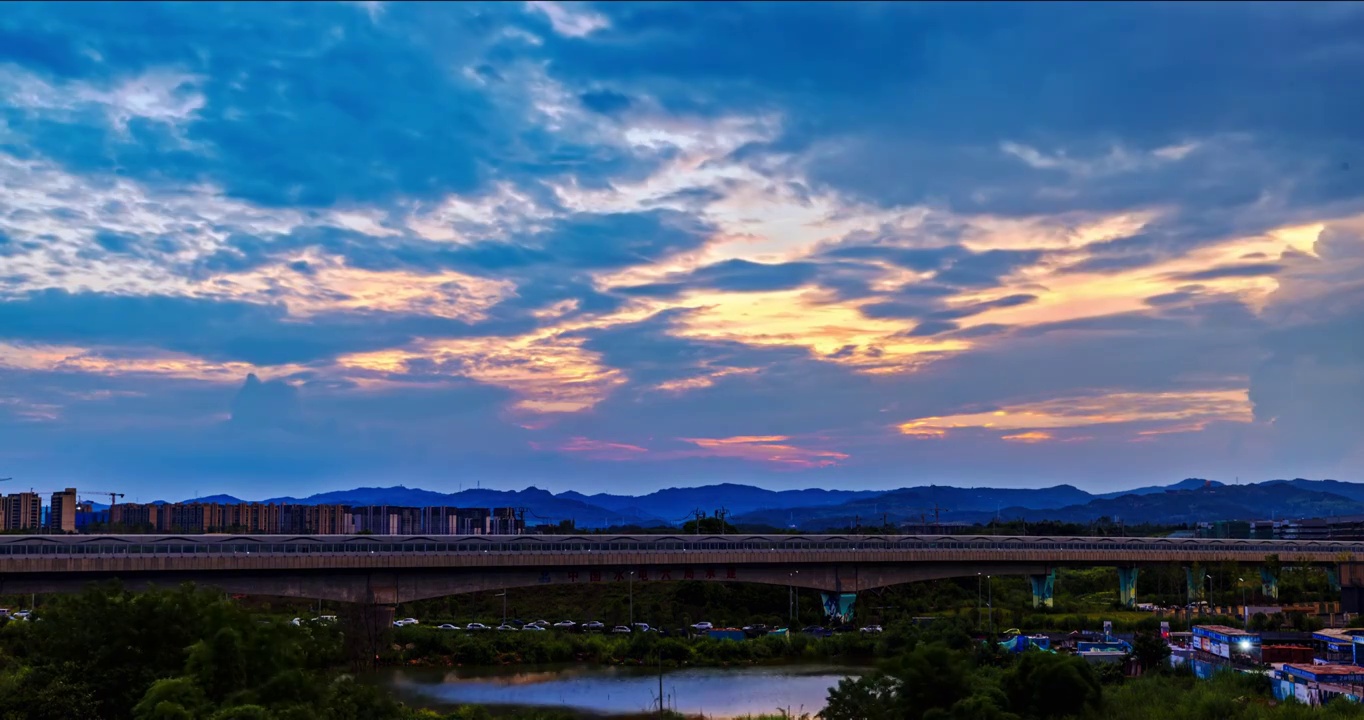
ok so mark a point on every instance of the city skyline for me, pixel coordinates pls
(623, 247)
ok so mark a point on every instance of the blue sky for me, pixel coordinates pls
(271, 248)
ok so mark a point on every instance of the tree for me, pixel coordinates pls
(1151, 651)
(1045, 685)
(870, 697)
(931, 676)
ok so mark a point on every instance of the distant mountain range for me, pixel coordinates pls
(1187, 501)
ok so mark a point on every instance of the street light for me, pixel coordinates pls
(792, 599)
(631, 582)
(1245, 611)
(977, 601)
(990, 603)
(503, 595)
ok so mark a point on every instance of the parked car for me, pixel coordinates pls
(620, 630)
(593, 626)
(871, 629)
(642, 627)
(755, 630)
(534, 628)
(296, 622)
(476, 626)
(410, 621)
(324, 619)
(565, 624)
(506, 626)
(447, 626)
(814, 630)
(702, 626)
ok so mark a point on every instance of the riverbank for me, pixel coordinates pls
(418, 646)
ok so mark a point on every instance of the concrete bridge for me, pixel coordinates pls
(386, 570)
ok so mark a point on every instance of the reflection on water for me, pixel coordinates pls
(714, 692)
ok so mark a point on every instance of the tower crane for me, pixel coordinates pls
(113, 496)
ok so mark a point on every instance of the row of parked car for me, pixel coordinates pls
(754, 630)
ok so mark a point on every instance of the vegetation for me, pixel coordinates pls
(186, 654)
(417, 645)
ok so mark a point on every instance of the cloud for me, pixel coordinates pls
(218, 330)
(1229, 271)
(549, 242)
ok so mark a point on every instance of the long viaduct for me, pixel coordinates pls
(384, 570)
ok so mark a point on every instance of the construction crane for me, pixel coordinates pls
(113, 496)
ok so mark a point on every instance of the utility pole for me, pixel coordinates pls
(630, 581)
(721, 513)
(990, 603)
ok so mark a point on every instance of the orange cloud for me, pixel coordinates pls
(1032, 436)
(597, 449)
(1182, 411)
(767, 448)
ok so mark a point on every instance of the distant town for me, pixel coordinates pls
(25, 512)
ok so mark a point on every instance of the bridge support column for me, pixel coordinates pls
(838, 607)
(1269, 583)
(1042, 589)
(1127, 586)
(1194, 585)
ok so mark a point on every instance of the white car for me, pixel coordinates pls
(22, 615)
(296, 622)
(642, 627)
(447, 626)
(565, 625)
(507, 627)
(410, 621)
(703, 626)
(476, 626)
(621, 630)
(871, 629)
(594, 625)
(534, 628)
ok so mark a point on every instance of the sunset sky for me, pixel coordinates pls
(269, 249)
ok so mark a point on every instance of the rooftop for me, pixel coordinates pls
(1325, 670)
(1223, 629)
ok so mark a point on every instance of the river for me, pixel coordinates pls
(598, 691)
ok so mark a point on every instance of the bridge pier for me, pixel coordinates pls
(1042, 586)
(838, 607)
(1269, 582)
(1127, 586)
(1194, 586)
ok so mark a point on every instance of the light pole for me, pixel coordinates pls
(631, 582)
(1208, 577)
(1245, 611)
(990, 603)
(503, 595)
(977, 601)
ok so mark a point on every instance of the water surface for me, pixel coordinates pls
(608, 691)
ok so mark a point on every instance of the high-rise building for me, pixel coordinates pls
(61, 517)
(22, 511)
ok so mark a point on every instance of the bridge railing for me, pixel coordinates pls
(19, 547)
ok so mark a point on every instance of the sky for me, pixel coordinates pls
(268, 249)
